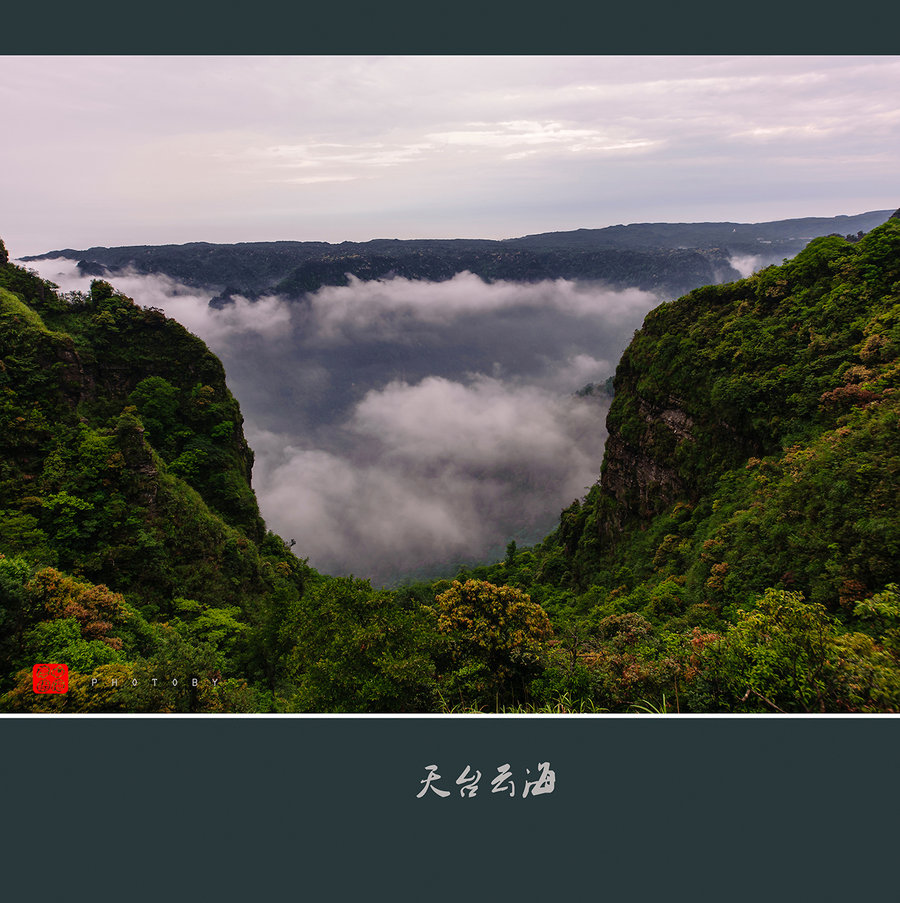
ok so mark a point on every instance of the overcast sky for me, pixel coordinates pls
(148, 150)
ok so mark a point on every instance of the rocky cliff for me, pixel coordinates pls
(745, 372)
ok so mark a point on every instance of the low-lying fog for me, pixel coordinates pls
(401, 428)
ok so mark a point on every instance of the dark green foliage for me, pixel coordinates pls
(745, 370)
(787, 655)
(123, 462)
(493, 643)
(740, 552)
(355, 650)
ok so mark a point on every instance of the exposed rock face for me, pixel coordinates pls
(72, 376)
(733, 373)
(77, 360)
(640, 476)
(142, 471)
(678, 422)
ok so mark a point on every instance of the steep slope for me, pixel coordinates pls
(750, 371)
(123, 467)
(741, 550)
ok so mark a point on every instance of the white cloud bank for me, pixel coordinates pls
(402, 426)
(439, 471)
(388, 306)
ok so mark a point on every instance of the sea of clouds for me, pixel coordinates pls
(402, 427)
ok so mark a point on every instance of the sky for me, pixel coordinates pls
(152, 150)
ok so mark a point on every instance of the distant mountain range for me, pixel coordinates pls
(667, 258)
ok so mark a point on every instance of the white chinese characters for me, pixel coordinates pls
(504, 782)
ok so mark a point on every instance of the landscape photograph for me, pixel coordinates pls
(450, 385)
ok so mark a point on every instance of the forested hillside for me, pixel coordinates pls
(133, 544)
(666, 258)
(740, 552)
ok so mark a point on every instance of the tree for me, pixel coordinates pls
(357, 650)
(157, 402)
(788, 655)
(495, 641)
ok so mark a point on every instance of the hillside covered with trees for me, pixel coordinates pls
(665, 258)
(740, 552)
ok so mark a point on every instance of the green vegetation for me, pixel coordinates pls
(746, 515)
(124, 492)
(740, 553)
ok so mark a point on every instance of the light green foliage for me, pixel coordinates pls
(496, 640)
(16, 613)
(788, 655)
(96, 396)
(190, 464)
(61, 641)
(12, 310)
(156, 400)
(221, 628)
(881, 613)
(777, 654)
(67, 513)
(785, 478)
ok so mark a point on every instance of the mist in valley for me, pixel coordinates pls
(402, 428)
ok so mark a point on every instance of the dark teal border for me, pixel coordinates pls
(270, 27)
(644, 809)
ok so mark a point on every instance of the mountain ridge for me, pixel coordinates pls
(668, 259)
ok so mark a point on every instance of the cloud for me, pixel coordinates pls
(746, 264)
(537, 136)
(481, 425)
(173, 149)
(401, 427)
(436, 472)
(268, 316)
(390, 306)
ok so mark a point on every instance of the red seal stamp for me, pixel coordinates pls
(50, 678)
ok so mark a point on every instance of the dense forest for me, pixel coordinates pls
(739, 553)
